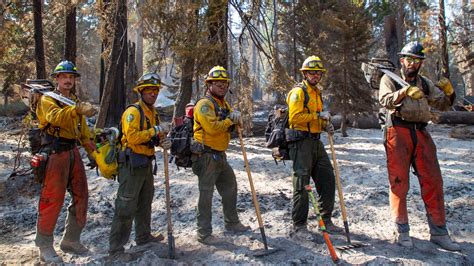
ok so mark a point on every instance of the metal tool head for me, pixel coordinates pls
(264, 252)
(372, 71)
(352, 246)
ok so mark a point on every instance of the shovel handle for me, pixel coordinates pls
(171, 251)
(252, 188)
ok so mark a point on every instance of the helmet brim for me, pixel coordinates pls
(315, 69)
(139, 88)
(412, 55)
(55, 74)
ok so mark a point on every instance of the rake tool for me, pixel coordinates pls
(266, 251)
(332, 252)
(171, 247)
(341, 202)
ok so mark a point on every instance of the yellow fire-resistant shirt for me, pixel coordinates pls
(134, 138)
(208, 129)
(299, 117)
(71, 125)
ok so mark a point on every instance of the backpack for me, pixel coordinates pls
(182, 136)
(277, 122)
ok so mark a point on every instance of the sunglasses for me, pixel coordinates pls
(219, 74)
(150, 78)
(413, 60)
(313, 64)
(155, 90)
(315, 72)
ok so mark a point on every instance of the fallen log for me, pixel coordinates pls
(454, 117)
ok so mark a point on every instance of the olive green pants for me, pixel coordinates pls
(133, 203)
(310, 160)
(212, 170)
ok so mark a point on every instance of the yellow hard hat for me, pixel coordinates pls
(107, 169)
(313, 63)
(217, 73)
(147, 80)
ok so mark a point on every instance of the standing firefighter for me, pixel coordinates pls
(213, 122)
(310, 160)
(407, 143)
(62, 127)
(142, 131)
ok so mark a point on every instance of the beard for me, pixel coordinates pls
(410, 72)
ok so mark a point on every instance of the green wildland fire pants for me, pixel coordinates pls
(310, 160)
(212, 170)
(133, 203)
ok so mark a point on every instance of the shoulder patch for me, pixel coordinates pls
(294, 97)
(130, 118)
(205, 108)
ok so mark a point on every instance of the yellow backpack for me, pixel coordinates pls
(106, 154)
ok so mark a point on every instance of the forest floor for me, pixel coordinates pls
(362, 164)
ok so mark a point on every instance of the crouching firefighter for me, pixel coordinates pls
(306, 123)
(213, 122)
(408, 143)
(62, 128)
(141, 132)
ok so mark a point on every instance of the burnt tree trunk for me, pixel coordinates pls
(391, 39)
(131, 74)
(111, 110)
(217, 24)
(444, 71)
(70, 46)
(38, 36)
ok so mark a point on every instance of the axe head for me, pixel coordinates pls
(372, 71)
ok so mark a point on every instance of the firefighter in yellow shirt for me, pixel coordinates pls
(142, 131)
(213, 122)
(62, 127)
(310, 160)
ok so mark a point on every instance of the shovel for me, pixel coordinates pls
(341, 202)
(171, 247)
(266, 251)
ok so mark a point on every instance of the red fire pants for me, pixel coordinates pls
(408, 146)
(64, 170)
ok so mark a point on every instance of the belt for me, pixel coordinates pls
(211, 150)
(397, 121)
(315, 136)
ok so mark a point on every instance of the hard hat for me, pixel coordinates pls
(413, 49)
(148, 80)
(65, 67)
(217, 73)
(313, 63)
(107, 169)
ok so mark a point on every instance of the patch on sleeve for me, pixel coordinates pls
(130, 118)
(205, 109)
(294, 97)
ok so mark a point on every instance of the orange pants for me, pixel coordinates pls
(64, 170)
(404, 147)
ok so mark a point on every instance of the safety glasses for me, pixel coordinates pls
(314, 64)
(315, 72)
(147, 90)
(219, 74)
(413, 60)
(150, 78)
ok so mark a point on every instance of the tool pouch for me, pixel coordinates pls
(138, 160)
(196, 147)
(293, 135)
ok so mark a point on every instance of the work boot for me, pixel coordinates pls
(73, 247)
(49, 255)
(301, 232)
(331, 228)
(210, 240)
(404, 240)
(445, 242)
(237, 227)
(151, 239)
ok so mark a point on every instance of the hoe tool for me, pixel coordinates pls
(171, 247)
(341, 201)
(266, 251)
(332, 252)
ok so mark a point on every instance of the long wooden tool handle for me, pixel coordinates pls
(339, 188)
(171, 252)
(252, 188)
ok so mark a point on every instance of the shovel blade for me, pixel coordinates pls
(264, 252)
(351, 246)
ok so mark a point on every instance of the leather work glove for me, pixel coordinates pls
(165, 143)
(325, 115)
(162, 128)
(329, 128)
(235, 117)
(445, 85)
(85, 108)
(414, 92)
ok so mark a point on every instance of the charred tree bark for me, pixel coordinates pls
(131, 74)
(70, 46)
(38, 36)
(217, 25)
(443, 41)
(391, 39)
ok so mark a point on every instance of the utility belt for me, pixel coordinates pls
(198, 149)
(135, 160)
(292, 135)
(57, 144)
(397, 121)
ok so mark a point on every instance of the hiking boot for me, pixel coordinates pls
(151, 239)
(237, 227)
(73, 247)
(302, 233)
(445, 242)
(404, 240)
(49, 255)
(210, 240)
(331, 228)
